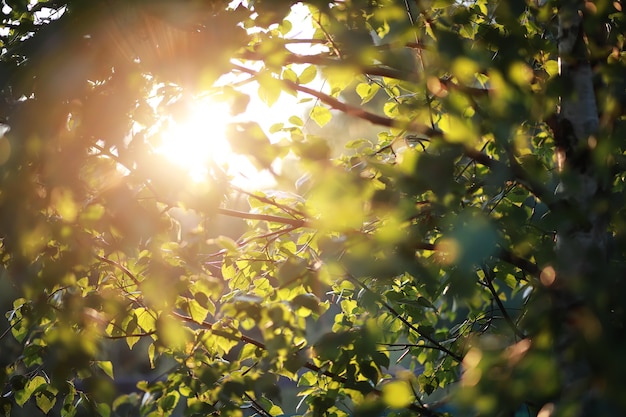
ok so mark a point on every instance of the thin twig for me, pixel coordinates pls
(10, 328)
(119, 266)
(287, 209)
(131, 335)
(265, 217)
(258, 407)
(505, 314)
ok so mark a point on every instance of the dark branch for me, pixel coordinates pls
(373, 70)
(410, 325)
(515, 169)
(124, 336)
(352, 110)
(119, 266)
(265, 217)
(519, 262)
(308, 365)
(489, 282)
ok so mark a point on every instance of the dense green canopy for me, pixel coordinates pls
(462, 254)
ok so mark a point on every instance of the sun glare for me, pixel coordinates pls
(198, 139)
(197, 143)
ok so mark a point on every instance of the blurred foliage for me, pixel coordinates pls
(409, 276)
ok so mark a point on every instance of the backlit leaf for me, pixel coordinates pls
(308, 75)
(397, 394)
(321, 115)
(107, 367)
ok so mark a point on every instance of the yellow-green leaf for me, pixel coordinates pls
(103, 409)
(197, 312)
(295, 120)
(290, 75)
(269, 89)
(145, 319)
(397, 394)
(227, 243)
(308, 75)
(552, 68)
(21, 396)
(107, 367)
(321, 115)
(45, 400)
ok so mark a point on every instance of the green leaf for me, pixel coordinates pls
(227, 243)
(145, 319)
(130, 328)
(270, 407)
(291, 270)
(427, 383)
(69, 409)
(321, 115)
(290, 75)
(21, 396)
(107, 367)
(169, 402)
(308, 301)
(197, 312)
(295, 120)
(552, 68)
(45, 400)
(367, 91)
(203, 289)
(308, 75)
(398, 394)
(269, 89)
(285, 27)
(104, 410)
(151, 355)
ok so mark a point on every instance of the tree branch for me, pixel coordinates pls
(119, 266)
(489, 282)
(373, 70)
(519, 262)
(352, 110)
(410, 325)
(515, 169)
(124, 336)
(308, 365)
(265, 217)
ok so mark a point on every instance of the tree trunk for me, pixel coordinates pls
(581, 237)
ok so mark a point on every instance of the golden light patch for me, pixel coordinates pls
(547, 276)
(546, 410)
(516, 352)
(447, 251)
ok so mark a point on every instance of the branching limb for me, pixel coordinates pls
(352, 110)
(410, 325)
(532, 185)
(422, 410)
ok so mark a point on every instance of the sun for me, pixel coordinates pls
(197, 141)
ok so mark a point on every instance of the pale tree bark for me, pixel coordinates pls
(581, 238)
